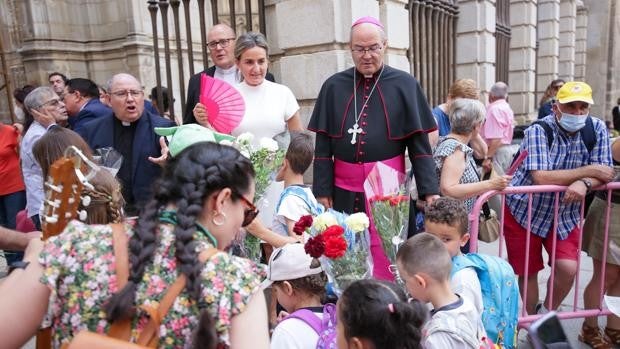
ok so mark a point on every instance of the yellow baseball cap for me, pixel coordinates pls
(575, 91)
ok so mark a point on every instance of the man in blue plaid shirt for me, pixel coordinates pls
(566, 162)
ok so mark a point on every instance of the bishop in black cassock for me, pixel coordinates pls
(396, 118)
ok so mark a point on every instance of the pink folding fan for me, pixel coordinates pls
(225, 105)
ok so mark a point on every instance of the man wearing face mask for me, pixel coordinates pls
(571, 149)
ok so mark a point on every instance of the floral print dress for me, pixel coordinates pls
(80, 272)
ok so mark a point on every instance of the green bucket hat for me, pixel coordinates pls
(185, 135)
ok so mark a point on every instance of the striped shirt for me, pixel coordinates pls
(566, 153)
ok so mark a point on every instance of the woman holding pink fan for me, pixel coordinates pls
(270, 108)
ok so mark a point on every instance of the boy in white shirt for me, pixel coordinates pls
(446, 218)
(296, 200)
(424, 265)
(299, 284)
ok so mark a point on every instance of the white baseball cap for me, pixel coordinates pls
(290, 262)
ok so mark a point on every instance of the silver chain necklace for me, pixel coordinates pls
(356, 129)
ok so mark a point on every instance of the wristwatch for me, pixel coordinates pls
(18, 265)
(587, 182)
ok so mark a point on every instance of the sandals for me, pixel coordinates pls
(613, 335)
(593, 337)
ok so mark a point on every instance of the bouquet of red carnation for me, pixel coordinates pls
(386, 190)
(342, 244)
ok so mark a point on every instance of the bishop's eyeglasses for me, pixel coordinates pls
(373, 50)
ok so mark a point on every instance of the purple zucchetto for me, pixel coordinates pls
(368, 19)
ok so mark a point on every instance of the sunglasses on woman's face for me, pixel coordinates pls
(250, 212)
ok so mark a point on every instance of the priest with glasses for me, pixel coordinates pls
(366, 114)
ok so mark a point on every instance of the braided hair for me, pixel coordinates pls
(379, 311)
(106, 200)
(187, 180)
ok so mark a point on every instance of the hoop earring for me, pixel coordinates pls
(221, 222)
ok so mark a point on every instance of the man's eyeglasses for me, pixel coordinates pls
(124, 94)
(374, 49)
(55, 102)
(223, 43)
(250, 212)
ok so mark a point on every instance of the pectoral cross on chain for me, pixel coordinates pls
(354, 132)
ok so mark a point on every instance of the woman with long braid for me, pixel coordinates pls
(203, 198)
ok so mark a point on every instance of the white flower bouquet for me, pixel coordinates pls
(266, 159)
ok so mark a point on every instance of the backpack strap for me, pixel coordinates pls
(548, 131)
(300, 193)
(309, 318)
(588, 136)
(149, 336)
(461, 261)
(120, 329)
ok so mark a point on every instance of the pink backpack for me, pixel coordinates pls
(325, 328)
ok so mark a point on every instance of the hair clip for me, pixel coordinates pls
(391, 308)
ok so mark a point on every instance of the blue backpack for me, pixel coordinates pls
(500, 295)
(325, 328)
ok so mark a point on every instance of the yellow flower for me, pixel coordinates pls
(357, 222)
(323, 221)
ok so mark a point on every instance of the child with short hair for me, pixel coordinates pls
(424, 265)
(497, 302)
(377, 314)
(299, 284)
(296, 200)
(446, 218)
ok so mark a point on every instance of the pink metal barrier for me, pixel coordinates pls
(525, 318)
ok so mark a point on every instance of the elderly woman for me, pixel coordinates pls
(47, 109)
(456, 169)
(270, 108)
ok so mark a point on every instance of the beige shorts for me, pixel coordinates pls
(594, 230)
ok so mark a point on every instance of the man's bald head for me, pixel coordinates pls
(126, 97)
(221, 42)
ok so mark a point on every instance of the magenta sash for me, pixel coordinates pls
(351, 177)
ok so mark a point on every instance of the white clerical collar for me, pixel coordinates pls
(230, 75)
(231, 70)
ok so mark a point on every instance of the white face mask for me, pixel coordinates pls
(572, 122)
(19, 113)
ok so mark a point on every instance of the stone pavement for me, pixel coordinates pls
(572, 327)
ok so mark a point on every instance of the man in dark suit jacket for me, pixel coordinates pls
(129, 130)
(221, 43)
(81, 98)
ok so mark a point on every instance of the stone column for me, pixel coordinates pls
(395, 18)
(568, 22)
(548, 44)
(522, 66)
(581, 34)
(475, 43)
(603, 50)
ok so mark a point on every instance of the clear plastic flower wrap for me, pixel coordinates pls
(387, 191)
(108, 158)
